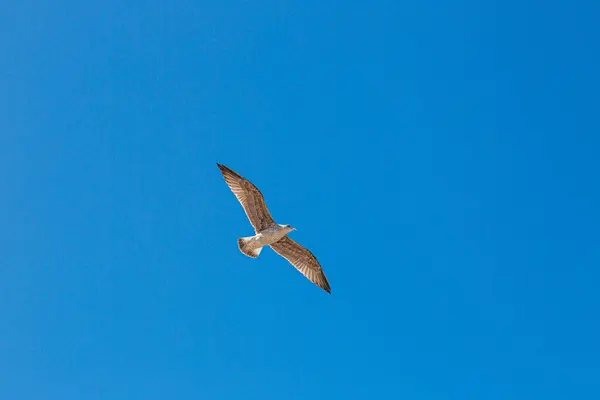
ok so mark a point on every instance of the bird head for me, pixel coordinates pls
(289, 227)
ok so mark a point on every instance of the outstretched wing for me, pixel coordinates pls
(249, 197)
(303, 260)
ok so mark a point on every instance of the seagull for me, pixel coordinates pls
(269, 233)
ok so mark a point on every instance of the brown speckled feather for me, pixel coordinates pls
(249, 197)
(303, 260)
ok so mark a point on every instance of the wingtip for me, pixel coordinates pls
(222, 168)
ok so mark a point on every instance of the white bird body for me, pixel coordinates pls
(266, 237)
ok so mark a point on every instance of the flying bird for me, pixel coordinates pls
(269, 233)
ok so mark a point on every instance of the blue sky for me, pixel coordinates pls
(441, 160)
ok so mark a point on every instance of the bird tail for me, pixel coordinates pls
(244, 245)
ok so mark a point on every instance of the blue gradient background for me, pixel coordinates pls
(440, 160)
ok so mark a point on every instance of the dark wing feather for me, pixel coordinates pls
(303, 260)
(249, 197)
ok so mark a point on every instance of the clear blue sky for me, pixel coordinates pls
(441, 161)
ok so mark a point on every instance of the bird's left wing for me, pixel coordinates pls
(303, 260)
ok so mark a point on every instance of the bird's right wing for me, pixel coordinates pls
(249, 197)
(303, 260)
